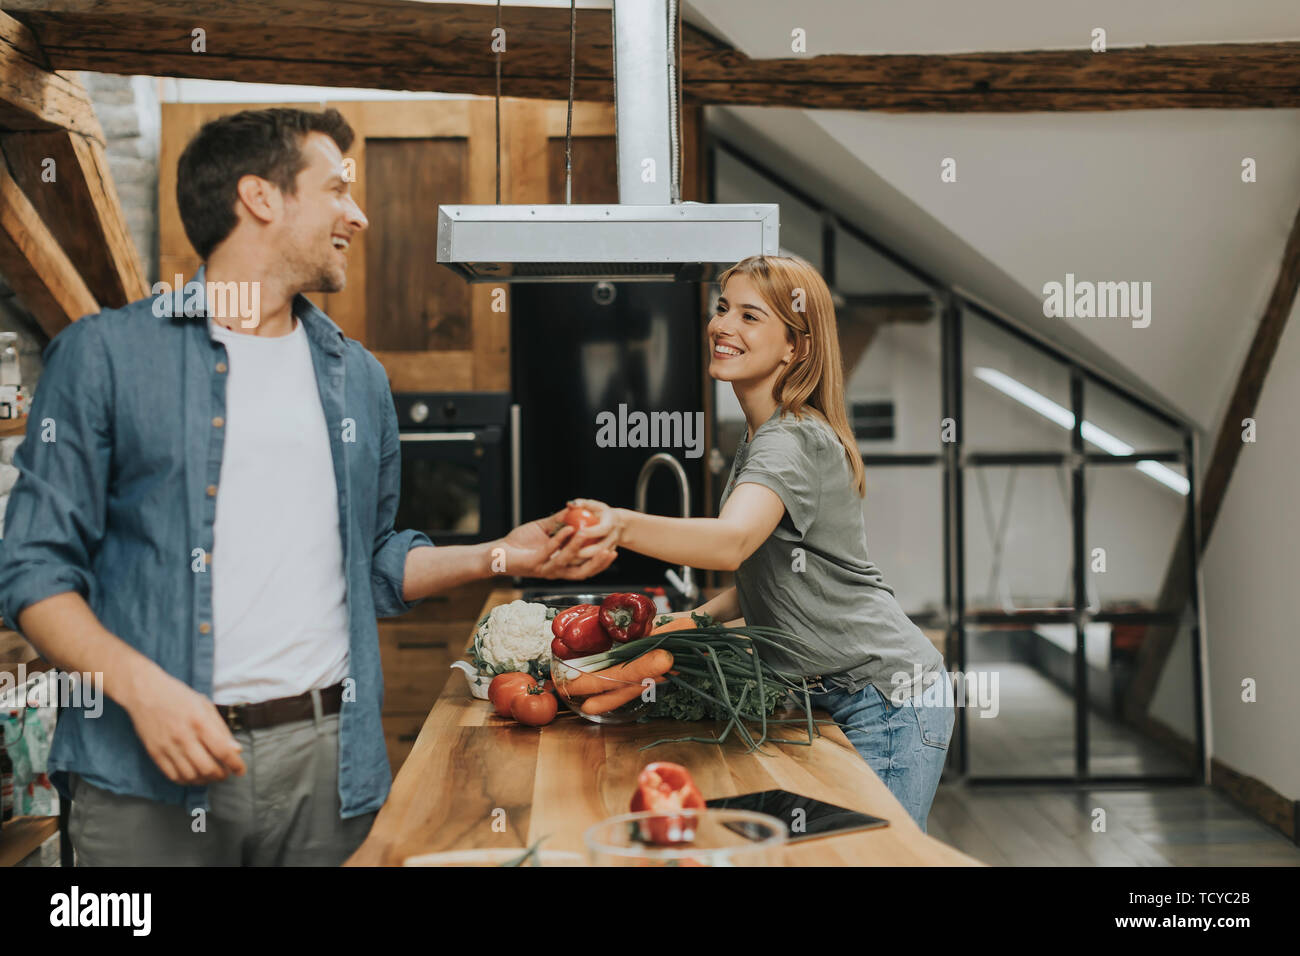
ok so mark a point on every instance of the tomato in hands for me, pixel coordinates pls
(578, 518)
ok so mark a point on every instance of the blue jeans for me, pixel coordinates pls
(906, 746)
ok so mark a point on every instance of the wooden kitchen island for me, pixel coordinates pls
(467, 766)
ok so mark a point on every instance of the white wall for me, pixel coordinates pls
(761, 28)
(1148, 196)
(1250, 573)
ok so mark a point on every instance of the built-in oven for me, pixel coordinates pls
(455, 465)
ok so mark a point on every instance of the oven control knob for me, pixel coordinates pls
(419, 413)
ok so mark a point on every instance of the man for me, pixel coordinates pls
(205, 516)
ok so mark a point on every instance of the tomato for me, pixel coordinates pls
(504, 687)
(535, 707)
(664, 787)
(578, 518)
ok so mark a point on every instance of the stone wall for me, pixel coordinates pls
(128, 110)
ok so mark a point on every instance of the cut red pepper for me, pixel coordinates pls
(578, 633)
(663, 788)
(627, 616)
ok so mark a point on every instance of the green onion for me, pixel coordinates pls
(721, 658)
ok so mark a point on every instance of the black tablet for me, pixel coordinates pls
(804, 817)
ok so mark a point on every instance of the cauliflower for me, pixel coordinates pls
(514, 637)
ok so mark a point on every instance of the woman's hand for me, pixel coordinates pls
(723, 543)
(548, 548)
(605, 534)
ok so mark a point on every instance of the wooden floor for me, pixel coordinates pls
(1165, 826)
(1032, 734)
(1041, 825)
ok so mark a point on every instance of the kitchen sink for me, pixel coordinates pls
(666, 599)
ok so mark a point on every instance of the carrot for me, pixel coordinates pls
(676, 624)
(651, 664)
(611, 699)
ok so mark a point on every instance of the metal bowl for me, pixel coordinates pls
(562, 601)
(663, 597)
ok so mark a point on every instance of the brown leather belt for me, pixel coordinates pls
(282, 710)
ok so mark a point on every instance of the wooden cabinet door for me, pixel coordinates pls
(429, 329)
(423, 323)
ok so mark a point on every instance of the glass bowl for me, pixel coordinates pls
(563, 673)
(496, 857)
(717, 838)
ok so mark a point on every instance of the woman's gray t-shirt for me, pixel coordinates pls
(812, 577)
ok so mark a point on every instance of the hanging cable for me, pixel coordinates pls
(568, 123)
(674, 100)
(498, 103)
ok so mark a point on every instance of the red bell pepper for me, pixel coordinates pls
(578, 633)
(566, 617)
(627, 616)
(663, 788)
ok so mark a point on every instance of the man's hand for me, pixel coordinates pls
(547, 548)
(181, 730)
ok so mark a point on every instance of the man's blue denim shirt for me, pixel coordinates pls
(116, 499)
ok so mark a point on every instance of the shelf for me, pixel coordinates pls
(13, 426)
(22, 835)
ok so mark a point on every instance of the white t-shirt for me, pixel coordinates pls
(279, 596)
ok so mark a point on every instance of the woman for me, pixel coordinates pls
(791, 527)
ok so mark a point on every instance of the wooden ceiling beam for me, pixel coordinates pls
(35, 265)
(32, 97)
(862, 316)
(437, 48)
(1228, 443)
(80, 207)
(58, 179)
(1222, 75)
(400, 44)
(889, 307)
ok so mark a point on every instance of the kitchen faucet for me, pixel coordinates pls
(685, 583)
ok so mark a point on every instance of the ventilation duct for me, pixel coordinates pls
(647, 235)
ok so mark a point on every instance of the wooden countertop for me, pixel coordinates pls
(468, 767)
(16, 654)
(22, 835)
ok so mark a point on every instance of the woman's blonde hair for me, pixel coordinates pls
(814, 378)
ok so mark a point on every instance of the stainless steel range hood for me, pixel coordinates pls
(646, 236)
(679, 241)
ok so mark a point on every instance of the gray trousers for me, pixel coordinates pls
(284, 811)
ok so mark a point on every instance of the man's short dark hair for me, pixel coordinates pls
(265, 143)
